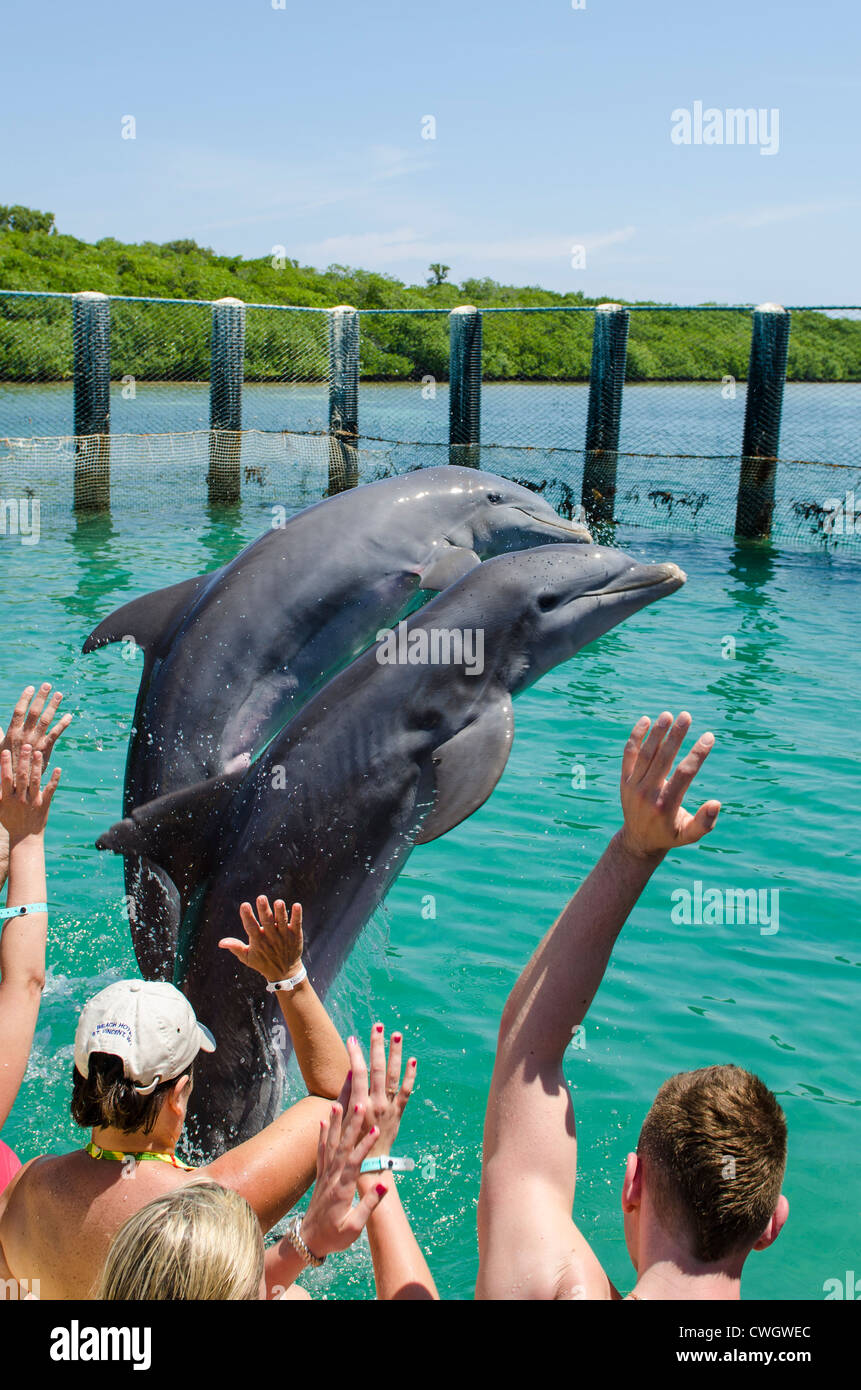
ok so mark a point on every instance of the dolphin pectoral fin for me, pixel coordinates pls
(468, 767)
(451, 562)
(148, 617)
(177, 832)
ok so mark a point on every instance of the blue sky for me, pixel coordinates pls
(302, 127)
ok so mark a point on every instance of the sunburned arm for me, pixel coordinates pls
(529, 1245)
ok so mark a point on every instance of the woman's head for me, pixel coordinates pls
(200, 1242)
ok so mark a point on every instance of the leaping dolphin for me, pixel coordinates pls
(230, 656)
(385, 756)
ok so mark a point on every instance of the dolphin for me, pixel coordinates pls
(230, 656)
(387, 755)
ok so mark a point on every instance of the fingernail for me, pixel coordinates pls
(356, 1109)
(351, 1039)
(396, 1037)
(378, 1027)
(413, 1062)
(381, 1191)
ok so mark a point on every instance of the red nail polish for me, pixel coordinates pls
(378, 1027)
(381, 1191)
(396, 1037)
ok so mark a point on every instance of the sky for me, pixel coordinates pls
(556, 158)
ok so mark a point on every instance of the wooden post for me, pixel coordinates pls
(763, 405)
(604, 417)
(464, 391)
(91, 337)
(343, 398)
(226, 375)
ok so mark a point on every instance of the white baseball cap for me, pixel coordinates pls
(149, 1024)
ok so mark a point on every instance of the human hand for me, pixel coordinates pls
(655, 820)
(274, 946)
(24, 803)
(385, 1098)
(332, 1222)
(31, 723)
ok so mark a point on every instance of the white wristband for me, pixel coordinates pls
(288, 985)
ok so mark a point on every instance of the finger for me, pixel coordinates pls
(7, 783)
(359, 1070)
(652, 744)
(322, 1143)
(35, 710)
(248, 920)
(686, 772)
(665, 756)
(632, 747)
(407, 1084)
(282, 921)
(35, 779)
(22, 771)
(333, 1138)
(19, 711)
(264, 912)
(364, 1209)
(296, 923)
(378, 1064)
(346, 1091)
(47, 714)
(396, 1053)
(699, 825)
(239, 949)
(50, 788)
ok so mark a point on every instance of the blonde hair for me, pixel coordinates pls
(199, 1242)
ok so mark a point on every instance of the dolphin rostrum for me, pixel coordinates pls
(387, 755)
(230, 656)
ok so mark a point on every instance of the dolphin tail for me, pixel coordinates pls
(149, 617)
(178, 832)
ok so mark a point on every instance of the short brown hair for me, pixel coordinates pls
(105, 1098)
(714, 1145)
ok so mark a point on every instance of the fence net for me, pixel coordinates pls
(173, 474)
(681, 423)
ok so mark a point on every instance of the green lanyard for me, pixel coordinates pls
(95, 1152)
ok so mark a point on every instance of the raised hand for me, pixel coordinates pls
(332, 1222)
(655, 820)
(24, 802)
(384, 1096)
(31, 724)
(274, 946)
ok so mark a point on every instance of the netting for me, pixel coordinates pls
(682, 414)
(171, 474)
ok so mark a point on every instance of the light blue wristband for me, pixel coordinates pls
(24, 910)
(385, 1163)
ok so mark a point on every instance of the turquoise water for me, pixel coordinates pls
(786, 766)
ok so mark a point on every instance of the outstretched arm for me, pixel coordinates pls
(24, 806)
(274, 949)
(30, 724)
(529, 1246)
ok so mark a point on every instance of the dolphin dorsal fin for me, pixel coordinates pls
(468, 766)
(149, 617)
(178, 832)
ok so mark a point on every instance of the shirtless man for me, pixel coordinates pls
(134, 1055)
(703, 1188)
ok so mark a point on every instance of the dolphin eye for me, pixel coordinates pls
(548, 601)
(494, 497)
